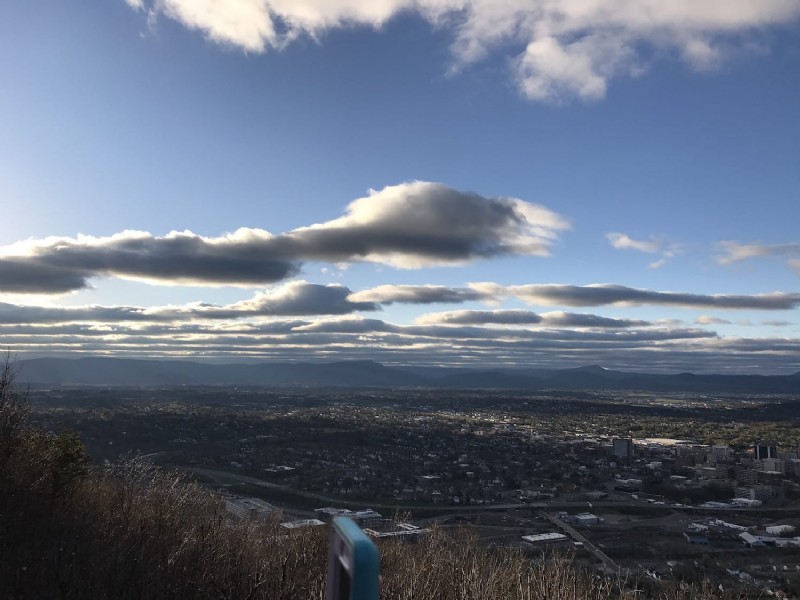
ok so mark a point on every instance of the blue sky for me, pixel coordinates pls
(664, 146)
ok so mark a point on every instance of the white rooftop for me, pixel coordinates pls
(544, 537)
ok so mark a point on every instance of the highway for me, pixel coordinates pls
(608, 564)
(228, 479)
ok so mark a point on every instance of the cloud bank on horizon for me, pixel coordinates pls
(557, 50)
(650, 347)
(323, 321)
(406, 226)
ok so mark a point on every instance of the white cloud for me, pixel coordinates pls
(733, 252)
(561, 49)
(657, 264)
(554, 71)
(622, 241)
(701, 54)
(247, 24)
(709, 320)
(667, 250)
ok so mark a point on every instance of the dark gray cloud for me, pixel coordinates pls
(408, 226)
(421, 223)
(565, 319)
(343, 330)
(758, 358)
(26, 276)
(357, 325)
(608, 294)
(553, 294)
(613, 338)
(64, 264)
(482, 317)
(298, 298)
(527, 317)
(20, 314)
(293, 299)
(680, 349)
(417, 294)
(347, 326)
(618, 295)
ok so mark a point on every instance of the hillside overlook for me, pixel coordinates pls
(129, 530)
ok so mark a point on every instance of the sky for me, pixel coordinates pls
(518, 184)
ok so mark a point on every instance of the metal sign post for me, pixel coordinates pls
(353, 563)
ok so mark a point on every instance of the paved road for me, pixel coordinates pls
(609, 565)
(225, 478)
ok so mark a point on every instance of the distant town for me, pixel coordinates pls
(655, 486)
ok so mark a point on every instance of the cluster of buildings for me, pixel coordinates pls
(712, 476)
(549, 539)
(250, 509)
(716, 531)
(779, 536)
(372, 522)
(499, 463)
(363, 518)
(449, 455)
(761, 475)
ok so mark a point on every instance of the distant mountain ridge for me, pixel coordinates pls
(123, 372)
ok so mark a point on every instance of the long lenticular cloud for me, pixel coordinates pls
(296, 298)
(527, 317)
(418, 294)
(618, 295)
(600, 294)
(407, 226)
